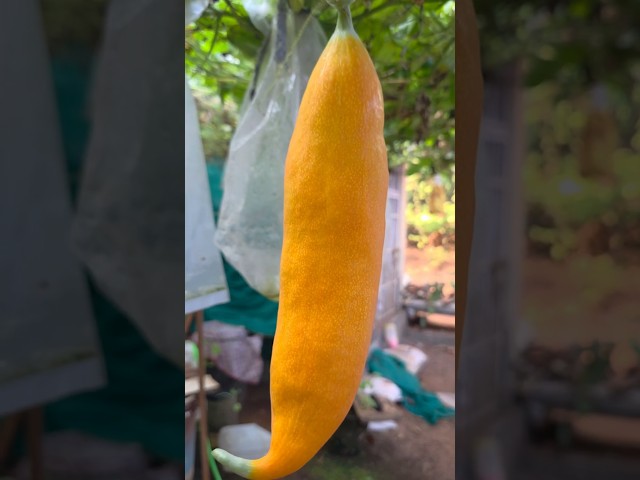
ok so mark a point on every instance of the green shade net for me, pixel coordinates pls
(247, 307)
(142, 401)
(415, 399)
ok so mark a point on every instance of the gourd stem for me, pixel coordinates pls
(344, 19)
(345, 25)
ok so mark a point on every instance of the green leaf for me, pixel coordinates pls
(248, 42)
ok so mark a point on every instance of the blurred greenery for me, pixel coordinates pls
(582, 184)
(412, 45)
(569, 42)
(581, 65)
(580, 62)
(430, 212)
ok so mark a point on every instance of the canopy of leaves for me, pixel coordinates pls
(583, 149)
(410, 41)
(572, 42)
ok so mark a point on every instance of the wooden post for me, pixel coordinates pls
(188, 320)
(8, 435)
(32, 421)
(34, 435)
(469, 99)
(202, 399)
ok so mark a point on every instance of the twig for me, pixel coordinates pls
(231, 7)
(259, 61)
(304, 26)
(214, 39)
(281, 32)
(373, 11)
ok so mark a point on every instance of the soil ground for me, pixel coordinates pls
(431, 265)
(562, 305)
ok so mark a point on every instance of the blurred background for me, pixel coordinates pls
(89, 387)
(549, 375)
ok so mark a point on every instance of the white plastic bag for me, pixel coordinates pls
(205, 283)
(260, 13)
(193, 9)
(250, 224)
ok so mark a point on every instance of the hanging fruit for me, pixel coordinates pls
(335, 188)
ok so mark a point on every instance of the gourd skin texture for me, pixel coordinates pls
(336, 181)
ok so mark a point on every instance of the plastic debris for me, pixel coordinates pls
(412, 357)
(247, 440)
(382, 426)
(391, 335)
(383, 388)
(232, 349)
(448, 399)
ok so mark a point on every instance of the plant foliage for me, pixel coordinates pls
(412, 45)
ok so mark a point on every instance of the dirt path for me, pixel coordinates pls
(431, 265)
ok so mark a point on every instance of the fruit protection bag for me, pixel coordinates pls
(193, 9)
(249, 232)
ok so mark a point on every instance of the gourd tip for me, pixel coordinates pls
(237, 465)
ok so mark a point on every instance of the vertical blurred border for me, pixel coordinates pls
(92, 253)
(549, 358)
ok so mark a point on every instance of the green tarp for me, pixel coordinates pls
(414, 398)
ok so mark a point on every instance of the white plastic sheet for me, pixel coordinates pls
(48, 340)
(131, 210)
(205, 283)
(260, 13)
(250, 225)
(234, 352)
(193, 9)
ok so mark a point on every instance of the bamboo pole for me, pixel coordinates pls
(32, 422)
(202, 399)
